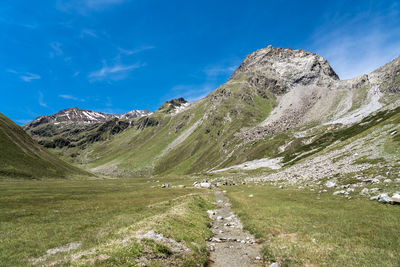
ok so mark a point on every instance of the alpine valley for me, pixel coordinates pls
(285, 164)
(281, 109)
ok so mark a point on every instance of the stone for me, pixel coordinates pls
(330, 184)
(211, 212)
(386, 181)
(251, 195)
(374, 190)
(181, 186)
(374, 198)
(341, 192)
(165, 185)
(395, 198)
(376, 181)
(274, 264)
(365, 191)
(384, 198)
(205, 185)
(220, 218)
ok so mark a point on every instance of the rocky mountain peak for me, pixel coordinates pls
(174, 105)
(295, 67)
(136, 113)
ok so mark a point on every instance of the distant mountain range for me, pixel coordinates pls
(281, 104)
(76, 115)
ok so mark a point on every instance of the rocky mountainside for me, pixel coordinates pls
(280, 105)
(22, 157)
(75, 127)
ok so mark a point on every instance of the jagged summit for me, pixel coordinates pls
(174, 106)
(295, 67)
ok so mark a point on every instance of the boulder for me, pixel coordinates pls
(205, 185)
(384, 198)
(395, 198)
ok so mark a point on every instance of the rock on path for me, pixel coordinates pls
(231, 245)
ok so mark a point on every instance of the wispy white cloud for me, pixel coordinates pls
(88, 32)
(41, 100)
(12, 71)
(116, 72)
(71, 97)
(28, 77)
(18, 23)
(192, 92)
(84, 6)
(25, 76)
(136, 50)
(360, 44)
(56, 49)
(218, 70)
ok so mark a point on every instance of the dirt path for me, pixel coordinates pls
(231, 245)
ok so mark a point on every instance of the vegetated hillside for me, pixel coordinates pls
(22, 157)
(278, 103)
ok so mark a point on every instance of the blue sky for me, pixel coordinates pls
(118, 55)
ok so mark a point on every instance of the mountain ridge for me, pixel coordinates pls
(276, 98)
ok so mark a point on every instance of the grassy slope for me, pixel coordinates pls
(40, 215)
(212, 142)
(21, 157)
(304, 228)
(139, 151)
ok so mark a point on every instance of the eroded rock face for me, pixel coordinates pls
(287, 67)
